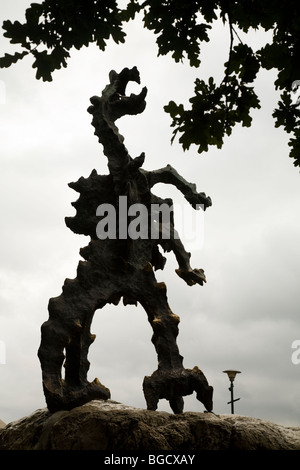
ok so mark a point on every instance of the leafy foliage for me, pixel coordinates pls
(54, 27)
(215, 111)
(60, 26)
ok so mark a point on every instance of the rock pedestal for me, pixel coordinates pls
(111, 426)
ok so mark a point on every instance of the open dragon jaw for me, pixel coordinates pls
(119, 263)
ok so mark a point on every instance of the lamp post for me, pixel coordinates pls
(231, 375)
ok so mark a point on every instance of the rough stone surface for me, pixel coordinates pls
(111, 426)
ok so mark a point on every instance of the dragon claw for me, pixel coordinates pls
(192, 276)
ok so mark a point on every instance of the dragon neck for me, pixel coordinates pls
(113, 145)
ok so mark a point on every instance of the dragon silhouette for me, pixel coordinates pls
(120, 268)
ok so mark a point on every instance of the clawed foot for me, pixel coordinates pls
(192, 276)
(199, 199)
(61, 397)
(173, 384)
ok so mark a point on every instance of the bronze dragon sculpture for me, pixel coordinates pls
(120, 267)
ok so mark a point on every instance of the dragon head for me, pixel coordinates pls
(114, 103)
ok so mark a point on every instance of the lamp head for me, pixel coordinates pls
(231, 374)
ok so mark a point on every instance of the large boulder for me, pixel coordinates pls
(111, 426)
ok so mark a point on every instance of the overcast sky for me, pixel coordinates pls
(247, 315)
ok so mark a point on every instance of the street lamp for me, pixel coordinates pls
(231, 374)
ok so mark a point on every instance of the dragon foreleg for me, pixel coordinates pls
(169, 175)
